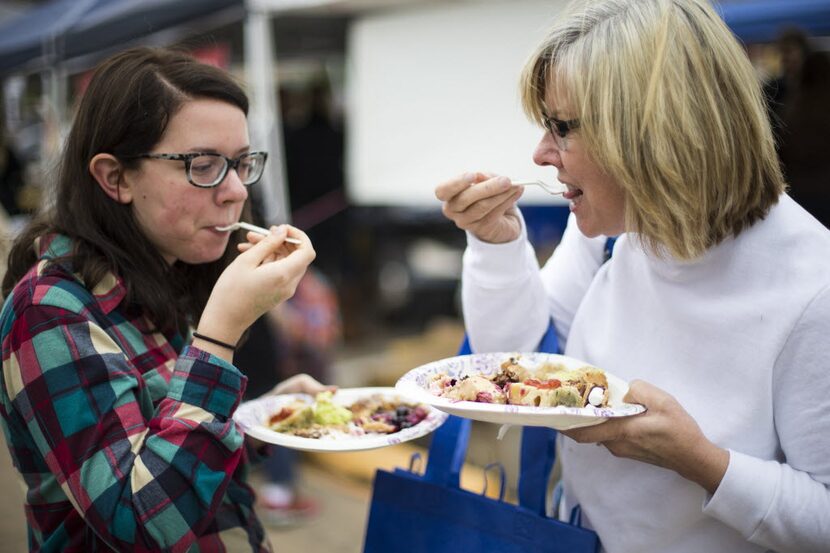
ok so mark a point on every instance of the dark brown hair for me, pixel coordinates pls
(130, 100)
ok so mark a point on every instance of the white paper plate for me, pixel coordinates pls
(415, 384)
(252, 415)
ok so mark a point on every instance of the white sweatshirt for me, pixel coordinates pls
(741, 337)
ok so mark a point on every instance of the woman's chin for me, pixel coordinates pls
(202, 256)
(587, 228)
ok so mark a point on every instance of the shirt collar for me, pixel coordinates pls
(57, 248)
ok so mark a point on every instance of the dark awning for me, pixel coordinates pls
(24, 39)
(64, 29)
(762, 20)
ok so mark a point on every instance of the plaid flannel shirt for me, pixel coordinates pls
(123, 435)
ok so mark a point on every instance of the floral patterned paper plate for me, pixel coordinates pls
(252, 415)
(415, 384)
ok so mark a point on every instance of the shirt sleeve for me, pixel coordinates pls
(508, 301)
(568, 274)
(142, 476)
(502, 296)
(784, 505)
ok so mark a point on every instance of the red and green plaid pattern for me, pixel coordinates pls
(123, 435)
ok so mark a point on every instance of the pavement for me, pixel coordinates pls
(12, 521)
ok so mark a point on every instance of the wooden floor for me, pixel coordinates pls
(339, 526)
(12, 521)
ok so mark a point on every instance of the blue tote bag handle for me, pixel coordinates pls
(447, 452)
(538, 454)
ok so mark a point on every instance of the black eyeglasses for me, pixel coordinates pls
(207, 170)
(560, 129)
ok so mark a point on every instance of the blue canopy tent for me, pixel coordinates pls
(64, 29)
(762, 20)
(25, 38)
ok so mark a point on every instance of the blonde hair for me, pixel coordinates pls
(670, 106)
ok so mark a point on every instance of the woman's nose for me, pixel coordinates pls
(547, 152)
(231, 189)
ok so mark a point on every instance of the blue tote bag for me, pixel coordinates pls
(430, 513)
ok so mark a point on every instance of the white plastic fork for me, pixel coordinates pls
(254, 228)
(550, 189)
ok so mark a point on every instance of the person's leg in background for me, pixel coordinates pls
(262, 359)
(296, 337)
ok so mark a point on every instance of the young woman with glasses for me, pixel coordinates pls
(715, 305)
(116, 415)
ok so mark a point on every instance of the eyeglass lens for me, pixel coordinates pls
(209, 170)
(561, 141)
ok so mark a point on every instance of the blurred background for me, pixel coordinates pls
(365, 106)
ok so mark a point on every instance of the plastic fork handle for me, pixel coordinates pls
(264, 231)
(546, 187)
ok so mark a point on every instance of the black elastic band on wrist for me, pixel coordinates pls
(214, 341)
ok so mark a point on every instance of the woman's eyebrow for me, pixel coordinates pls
(205, 150)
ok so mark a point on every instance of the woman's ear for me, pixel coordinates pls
(109, 174)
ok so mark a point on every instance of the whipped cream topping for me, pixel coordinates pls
(595, 396)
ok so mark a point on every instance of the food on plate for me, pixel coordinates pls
(328, 413)
(323, 418)
(476, 388)
(549, 385)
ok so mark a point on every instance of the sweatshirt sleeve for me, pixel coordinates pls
(508, 301)
(568, 274)
(502, 295)
(784, 505)
(142, 477)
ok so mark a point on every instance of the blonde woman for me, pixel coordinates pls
(715, 304)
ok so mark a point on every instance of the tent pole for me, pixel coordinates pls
(53, 113)
(264, 117)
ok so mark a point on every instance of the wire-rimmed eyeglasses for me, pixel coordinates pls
(559, 129)
(207, 169)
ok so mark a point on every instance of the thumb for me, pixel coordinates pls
(641, 392)
(631, 395)
(267, 247)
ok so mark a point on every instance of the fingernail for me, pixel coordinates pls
(468, 177)
(503, 183)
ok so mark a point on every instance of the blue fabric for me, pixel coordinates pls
(762, 20)
(430, 513)
(411, 515)
(609, 247)
(538, 455)
(447, 451)
(59, 30)
(549, 342)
